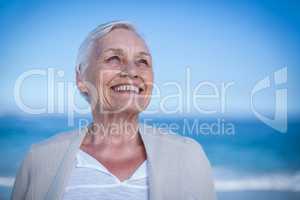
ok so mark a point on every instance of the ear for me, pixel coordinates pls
(80, 83)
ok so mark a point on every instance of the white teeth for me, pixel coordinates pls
(130, 88)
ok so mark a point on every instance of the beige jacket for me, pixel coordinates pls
(178, 167)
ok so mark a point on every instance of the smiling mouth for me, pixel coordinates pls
(127, 88)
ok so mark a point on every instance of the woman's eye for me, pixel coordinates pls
(113, 60)
(143, 61)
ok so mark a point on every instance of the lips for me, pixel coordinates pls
(127, 88)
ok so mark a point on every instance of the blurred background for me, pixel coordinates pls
(234, 43)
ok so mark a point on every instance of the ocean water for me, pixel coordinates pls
(250, 160)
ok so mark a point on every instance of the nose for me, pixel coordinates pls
(130, 70)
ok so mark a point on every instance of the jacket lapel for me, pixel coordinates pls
(63, 172)
(149, 140)
(162, 164)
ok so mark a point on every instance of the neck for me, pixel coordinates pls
(115, 128)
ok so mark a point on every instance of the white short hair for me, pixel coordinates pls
(86, 47)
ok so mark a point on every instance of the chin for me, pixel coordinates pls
(129, 109)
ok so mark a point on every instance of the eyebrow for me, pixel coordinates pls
(114, 50)
(145, 53)
(120, 51)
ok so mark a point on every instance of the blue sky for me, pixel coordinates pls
(220, 42)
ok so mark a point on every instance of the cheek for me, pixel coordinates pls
(148, 77)
(100, 81)
(103, 90)
(103, 79)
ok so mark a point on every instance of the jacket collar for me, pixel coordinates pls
(148, 135)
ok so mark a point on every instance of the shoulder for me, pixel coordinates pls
(50, 150)
(42, 158)
(187, 149)
(171, 139)
(175, 146)
(46, 155)
(58, 140)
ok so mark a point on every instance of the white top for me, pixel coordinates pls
(91, 180)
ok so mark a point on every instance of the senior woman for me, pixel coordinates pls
(115, 157)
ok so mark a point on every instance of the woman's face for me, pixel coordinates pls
(121, 72)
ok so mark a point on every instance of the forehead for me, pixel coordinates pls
(124, 39)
